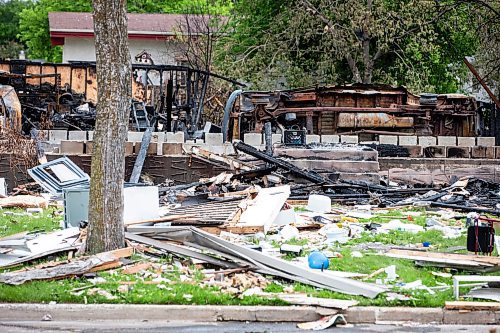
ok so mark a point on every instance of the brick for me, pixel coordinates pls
(214, 139)
(388, 139)
(312, 138)
(426, 141)
(330, 138)
(58, 135)
(485, 141)
(497, 152)
(408, 140)
(170, 148)
(435, 151)
(77, 135)
(152, 149)
(253, 139)
(276, 138)
(129, 148)
(447, 141)
(466, 141)
(483, 152)
(458, 152)
(414, 151)
(88, 147)
(72, 147)
(349, 138)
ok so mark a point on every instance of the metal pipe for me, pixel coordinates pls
(227, 112)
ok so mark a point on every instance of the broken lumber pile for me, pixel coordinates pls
(459, 261)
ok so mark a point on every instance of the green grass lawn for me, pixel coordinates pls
(175, 290)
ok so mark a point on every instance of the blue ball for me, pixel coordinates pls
(318, 260)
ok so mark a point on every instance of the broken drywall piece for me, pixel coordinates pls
(263, 210)
(323, 323)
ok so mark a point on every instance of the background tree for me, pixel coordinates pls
(304, 42)
(10, 45)
(34, 22)
(106, 228)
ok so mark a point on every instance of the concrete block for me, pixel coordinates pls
(435, 151)
(58, 135)
(466, 141)
(483, 152)
(349, 138)
(330, 138)
(276, 138)
(158, 137)
(361, 315)
(199, 141)
(447, 141)
(413, 315)
(134, 136)
(72, 147)
(408, 140)
(77, 135)
(337, 166)
(455, 317)
(177, 137)
(485, 141)
(388, 139)
(170, 148)
(213, 139)
(312, 138)
(458, 152)
(426, 141)
(414, 151)
(225, 149)
(325, 154)
(253, 139)
(90, 135)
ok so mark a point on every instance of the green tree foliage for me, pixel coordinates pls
(34, 24)
(10, 46)
(417, 43)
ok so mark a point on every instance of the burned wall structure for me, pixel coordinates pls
(367, 109)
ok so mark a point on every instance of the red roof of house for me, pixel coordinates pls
(140, 26)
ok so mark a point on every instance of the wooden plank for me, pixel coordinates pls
(440, 255)
(168, 218)
(476, 306)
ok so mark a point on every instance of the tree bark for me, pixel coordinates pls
(106, 228)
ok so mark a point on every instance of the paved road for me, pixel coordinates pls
(226, 327)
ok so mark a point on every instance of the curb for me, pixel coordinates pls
(214, 313)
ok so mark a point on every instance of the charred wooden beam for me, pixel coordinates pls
(311, 176)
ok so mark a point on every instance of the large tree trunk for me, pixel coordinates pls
(106, 229)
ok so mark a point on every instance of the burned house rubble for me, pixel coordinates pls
(355, 109)
(289, 187)
(64, 96)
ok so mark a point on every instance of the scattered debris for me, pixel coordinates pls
(323, 323)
